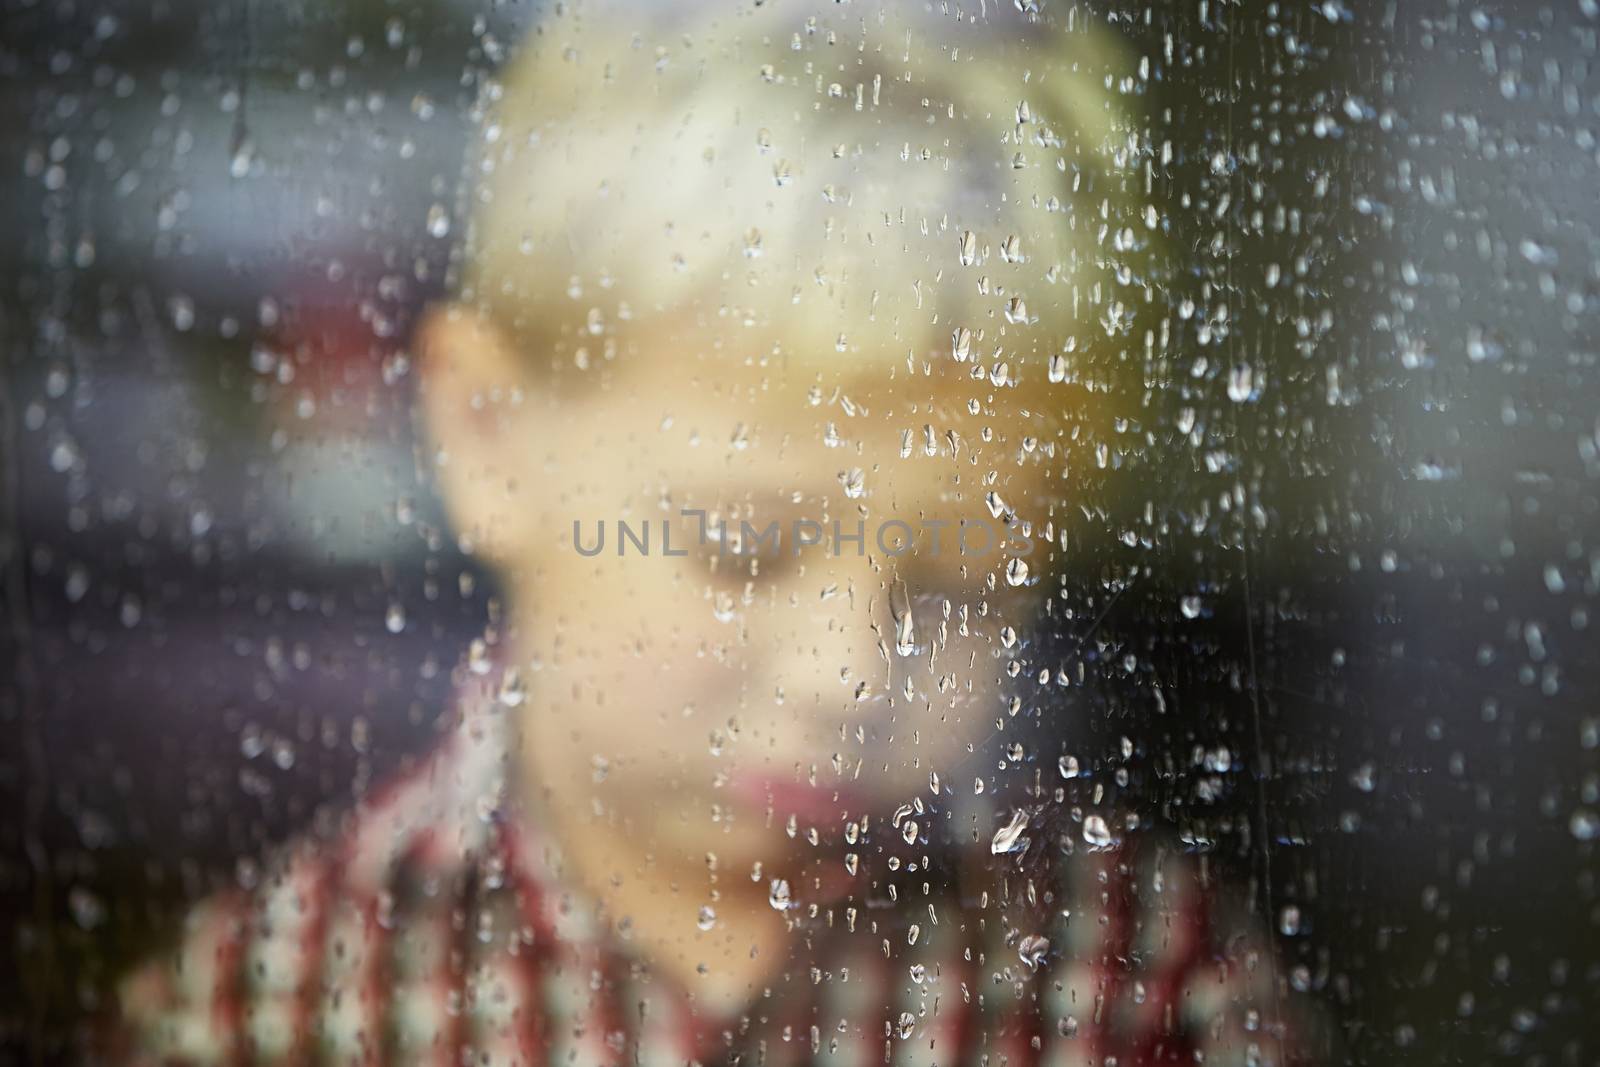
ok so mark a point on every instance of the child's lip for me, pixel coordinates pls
(822, 803)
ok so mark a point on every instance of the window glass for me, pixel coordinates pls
(951, 533)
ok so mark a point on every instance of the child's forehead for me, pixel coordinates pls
(770, 435)
(855, 396)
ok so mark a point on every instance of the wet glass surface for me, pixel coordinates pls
(1270, 328)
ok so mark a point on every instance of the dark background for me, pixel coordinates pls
(229, 602)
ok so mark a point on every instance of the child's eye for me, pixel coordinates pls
(724, 568)
(772, 566)
(731, 567)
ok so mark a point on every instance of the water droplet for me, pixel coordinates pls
(1585, 825)
(1538, 254)
(905, 631)
(513, 690)
(64, 455)
(1289, 920)
(854, 482)
(961, 344)
(394, 620)
(243, 156)
(707, 918)
(1068, 766)
(77, 585)
(778, 895)
(1016, 572)
(1190, 606)
(181, 308)
(1009, 836)
(1096, 832)
(87, 909)
(1553, 579)
(1241, 383)
(1033, 948)
(1364, 777)
(969, 248)
(438, 221)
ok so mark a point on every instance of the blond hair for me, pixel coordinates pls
(813, 181)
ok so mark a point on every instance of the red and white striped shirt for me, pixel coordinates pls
(438, 930)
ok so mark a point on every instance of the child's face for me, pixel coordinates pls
(703, 700)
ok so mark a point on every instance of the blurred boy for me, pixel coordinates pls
(774, 328)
